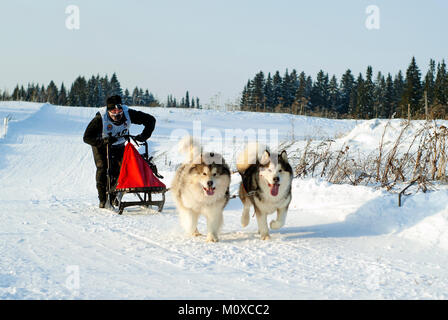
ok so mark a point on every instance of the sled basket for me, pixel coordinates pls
(138, 175)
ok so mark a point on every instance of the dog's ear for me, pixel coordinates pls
(284, 156)
(193, 168)
(265, 158)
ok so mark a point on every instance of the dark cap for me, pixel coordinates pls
(113, 101)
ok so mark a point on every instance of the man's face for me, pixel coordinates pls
(115, 112)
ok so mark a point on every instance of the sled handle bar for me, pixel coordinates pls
(128, 138)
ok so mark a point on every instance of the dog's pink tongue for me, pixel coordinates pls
(274, 189)
(209, 191)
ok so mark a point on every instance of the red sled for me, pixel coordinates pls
(139, 176)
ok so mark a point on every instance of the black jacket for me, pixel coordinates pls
(94, 131)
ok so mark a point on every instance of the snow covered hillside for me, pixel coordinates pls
(339, 241)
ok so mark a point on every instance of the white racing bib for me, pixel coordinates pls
(111, 129)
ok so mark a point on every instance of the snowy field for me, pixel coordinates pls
(339, 241)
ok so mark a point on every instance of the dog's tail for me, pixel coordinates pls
(252, 154)
(190, 148)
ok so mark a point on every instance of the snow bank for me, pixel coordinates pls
(367, 135)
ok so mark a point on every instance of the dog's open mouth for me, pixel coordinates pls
(210, 191)
(274, 189)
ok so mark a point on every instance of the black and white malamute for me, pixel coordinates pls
(201, 187)
(266, 185)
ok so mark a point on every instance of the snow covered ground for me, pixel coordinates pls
(339, 241)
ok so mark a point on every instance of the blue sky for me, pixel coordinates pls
(210, 47)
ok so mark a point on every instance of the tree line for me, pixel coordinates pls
(185, 102)
(363, 97)
(90, 93)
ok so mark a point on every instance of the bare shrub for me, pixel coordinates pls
(418, 158)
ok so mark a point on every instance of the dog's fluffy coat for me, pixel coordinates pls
(201, 187)
(266, 185)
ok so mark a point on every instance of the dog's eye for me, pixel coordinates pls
(204, 174)
(214, 174)
(280, 170)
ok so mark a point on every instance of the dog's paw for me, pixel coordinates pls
(275, 224)
(265, 236)
(212, 238)
(196, 233)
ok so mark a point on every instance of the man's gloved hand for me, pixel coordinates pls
(140, 138)
(109, 140)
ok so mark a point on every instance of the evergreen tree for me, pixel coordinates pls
(105, 84)
(379, 96)
(169, 101)
(92, 94)
(334, 98)
(429, 82)
(42, 94)
(127, 100)
(52, 93)
(5, 95)
(140, 95)
(269, 93)
(115, 87)
(320, 92)
(136, 100)
(308, 88)
(148, 99)
(22, 93)
(277, 89)
(400, 107)
(361, 98)
(78, 92)
(187, 99)
(16, 93)
(441, 85)
(301, 89)
(29, 90)
(35, 93)
(412, 94)
(250, 95)
(62, 98)
(367, 103)
(294, 77)
(301, 96)
(389, 98)
(287, 90)
(347, 83)
(99, 92)
(244, 97)
(258, 91)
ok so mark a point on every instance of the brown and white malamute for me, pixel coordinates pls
(201, 187)
(266, 185)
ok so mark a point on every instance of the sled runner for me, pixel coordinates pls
(139, 176)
